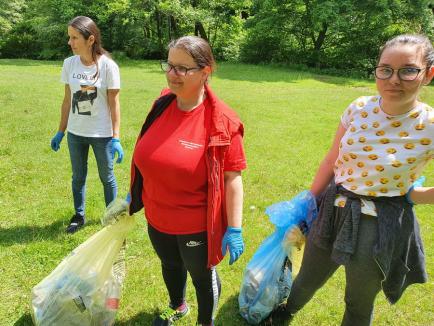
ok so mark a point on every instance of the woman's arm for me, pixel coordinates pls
(64, 111)
(234, 198)
(422, 195)
(115, 110)
(325, 171)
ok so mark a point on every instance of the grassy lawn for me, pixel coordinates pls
(290, 118)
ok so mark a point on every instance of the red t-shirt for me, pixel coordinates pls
(171, 158)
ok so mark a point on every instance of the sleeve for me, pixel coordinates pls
(113, 76)
(235, 158)
(65, 72)
(348, 115)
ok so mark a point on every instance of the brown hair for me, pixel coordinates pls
(87, 27)
(412, 39)
(197, 48)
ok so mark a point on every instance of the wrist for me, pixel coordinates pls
(115, 140)
(234, 229)
(408, 195)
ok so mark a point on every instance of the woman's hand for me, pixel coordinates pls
(117, 148)
(56, 140)
(233, 240)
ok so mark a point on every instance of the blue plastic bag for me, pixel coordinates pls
(267, 278)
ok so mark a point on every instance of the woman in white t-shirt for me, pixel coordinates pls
(90, 112)
(367, 185)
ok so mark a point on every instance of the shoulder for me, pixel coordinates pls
(108, 62)
(228, 113)
(427, 114)
(364, 102)
(165, 91)
(228, 117)
(363, 105)
(70, 60)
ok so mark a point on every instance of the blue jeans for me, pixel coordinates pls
(79, 152)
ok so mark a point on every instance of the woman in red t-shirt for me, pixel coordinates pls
(186, 172)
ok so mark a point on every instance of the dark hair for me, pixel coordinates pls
(197, 48)
(87, 27)
(412, 39)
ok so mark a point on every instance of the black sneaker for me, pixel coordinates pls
(77, 221)
(169, 315)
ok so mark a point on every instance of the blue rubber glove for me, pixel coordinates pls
(128, 198)
(418, 183)
(117, 148)
(56, 140)
(233, 240)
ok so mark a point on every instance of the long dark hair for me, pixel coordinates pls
(87, 27)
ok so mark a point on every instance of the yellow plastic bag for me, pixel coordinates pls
(84, 289)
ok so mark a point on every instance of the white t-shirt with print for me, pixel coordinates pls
(380, 154)
(90, 114)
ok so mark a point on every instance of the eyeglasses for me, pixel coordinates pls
(406, 74)
(179, 70)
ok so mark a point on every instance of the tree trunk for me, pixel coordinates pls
(321, 37)
(169, 29)
(318, 42)
(174, 26)
(199, 30)
(159, 32)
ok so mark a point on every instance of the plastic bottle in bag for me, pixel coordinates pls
(111, 303)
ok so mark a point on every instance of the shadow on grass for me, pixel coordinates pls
(28, 233)
(140, 319)
(228, 314)
(226, 70)
(279, 73)
(25, 320)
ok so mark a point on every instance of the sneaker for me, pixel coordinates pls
(77, 221)
(169, 315)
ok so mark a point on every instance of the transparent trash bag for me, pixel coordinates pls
(267, 278)
(84, 289)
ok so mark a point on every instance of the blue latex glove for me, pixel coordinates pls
(418, 183)
(128, 198)
(233, 240)
(56, 140)
(117, 148)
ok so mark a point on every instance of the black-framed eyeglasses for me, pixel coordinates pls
(179, 70)
(406, 73)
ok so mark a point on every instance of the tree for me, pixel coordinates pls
(10, 14)
(343, 34)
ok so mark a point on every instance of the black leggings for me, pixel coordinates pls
(187, 252)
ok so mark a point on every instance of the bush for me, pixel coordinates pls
(21, 42)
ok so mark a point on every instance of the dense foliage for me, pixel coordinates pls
(331, 34)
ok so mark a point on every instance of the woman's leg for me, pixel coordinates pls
(78, 152)
(194, 252)
(363, 276)
(316, 268)
(102, 150)
(172, 266)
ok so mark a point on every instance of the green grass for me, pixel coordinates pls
(290, 118)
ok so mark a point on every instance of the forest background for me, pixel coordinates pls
(335, 36)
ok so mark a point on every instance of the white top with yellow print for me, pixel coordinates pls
(380, 154)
